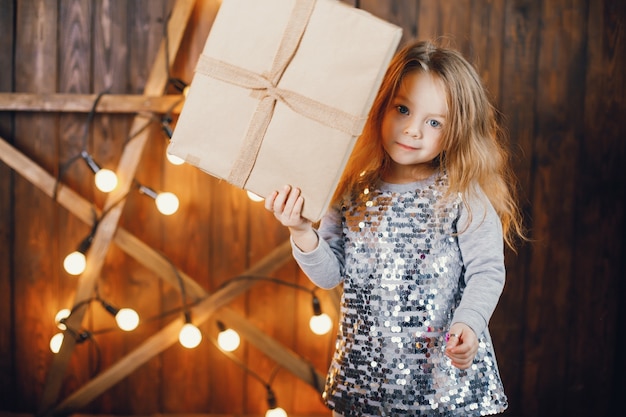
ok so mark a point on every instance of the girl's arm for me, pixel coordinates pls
(482, 250)
(321, 259)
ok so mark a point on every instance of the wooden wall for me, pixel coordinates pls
(555, 69)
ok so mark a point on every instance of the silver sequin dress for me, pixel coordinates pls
(403, 272)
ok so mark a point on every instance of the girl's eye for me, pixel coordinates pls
(434, 123)
(402, 109)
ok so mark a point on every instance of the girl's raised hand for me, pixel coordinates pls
(462, 345)
(286, 205)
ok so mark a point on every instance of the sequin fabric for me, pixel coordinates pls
(403, 280)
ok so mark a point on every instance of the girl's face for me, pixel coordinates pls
(412, 127)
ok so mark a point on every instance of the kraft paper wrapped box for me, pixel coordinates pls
(281, 93)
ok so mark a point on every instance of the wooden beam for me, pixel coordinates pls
(168, 335)
(156, 262)
(82, 103)
(129, 160)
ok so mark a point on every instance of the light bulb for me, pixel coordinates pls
(174, 160)
(127, 319)
(62, 314)
(276, 412)
(56, 342)
(75, 263)
(320, 324)
(106, 180)
(167, 203)
(189, 336)
(254, 197)
(228, 340)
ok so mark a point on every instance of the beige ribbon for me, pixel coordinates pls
(266, 87)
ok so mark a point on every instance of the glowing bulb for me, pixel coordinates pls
(167, 203)
(254, 197)
(228, 340)
(189, 336)
(62, 314)
(75, 263)
(127, 319)
(106, 180)
(320, 324)
(174, 160)
(276, 412)
(56, 342)
(186, 91)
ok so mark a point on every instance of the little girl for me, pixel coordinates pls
(415, 233)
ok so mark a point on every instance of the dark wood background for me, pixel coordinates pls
(555, 69)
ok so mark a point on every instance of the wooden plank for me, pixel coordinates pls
(203, 239)
(34, 248)
(7, 236)
(82, 103)
(402, 13)
(428, 19)
(595, 311)
(122, 282)
(114, 205)
(486, 47)
(74, 57)
(517, 103)
(559, 115)
(445, 22)
(266, 307)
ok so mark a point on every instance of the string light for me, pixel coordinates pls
(273, 409)
(105, 179)
(76, 262)
(127, 319)
(179, 85)
(167, 203)
(60, 318)
(254, 197)
(189, 336)
(55, 342)
(227, 339)
(173, 159)
(166, 120)
(320, 323)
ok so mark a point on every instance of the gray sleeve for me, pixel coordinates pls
(482, 248)
(325, 264)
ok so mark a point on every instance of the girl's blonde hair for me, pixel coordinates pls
(473, 152)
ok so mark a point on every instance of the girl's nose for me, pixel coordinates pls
(413, 130)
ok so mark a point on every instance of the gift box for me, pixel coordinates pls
(280, 93)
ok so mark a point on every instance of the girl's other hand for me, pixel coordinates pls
(462, 345)
(286, 205)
